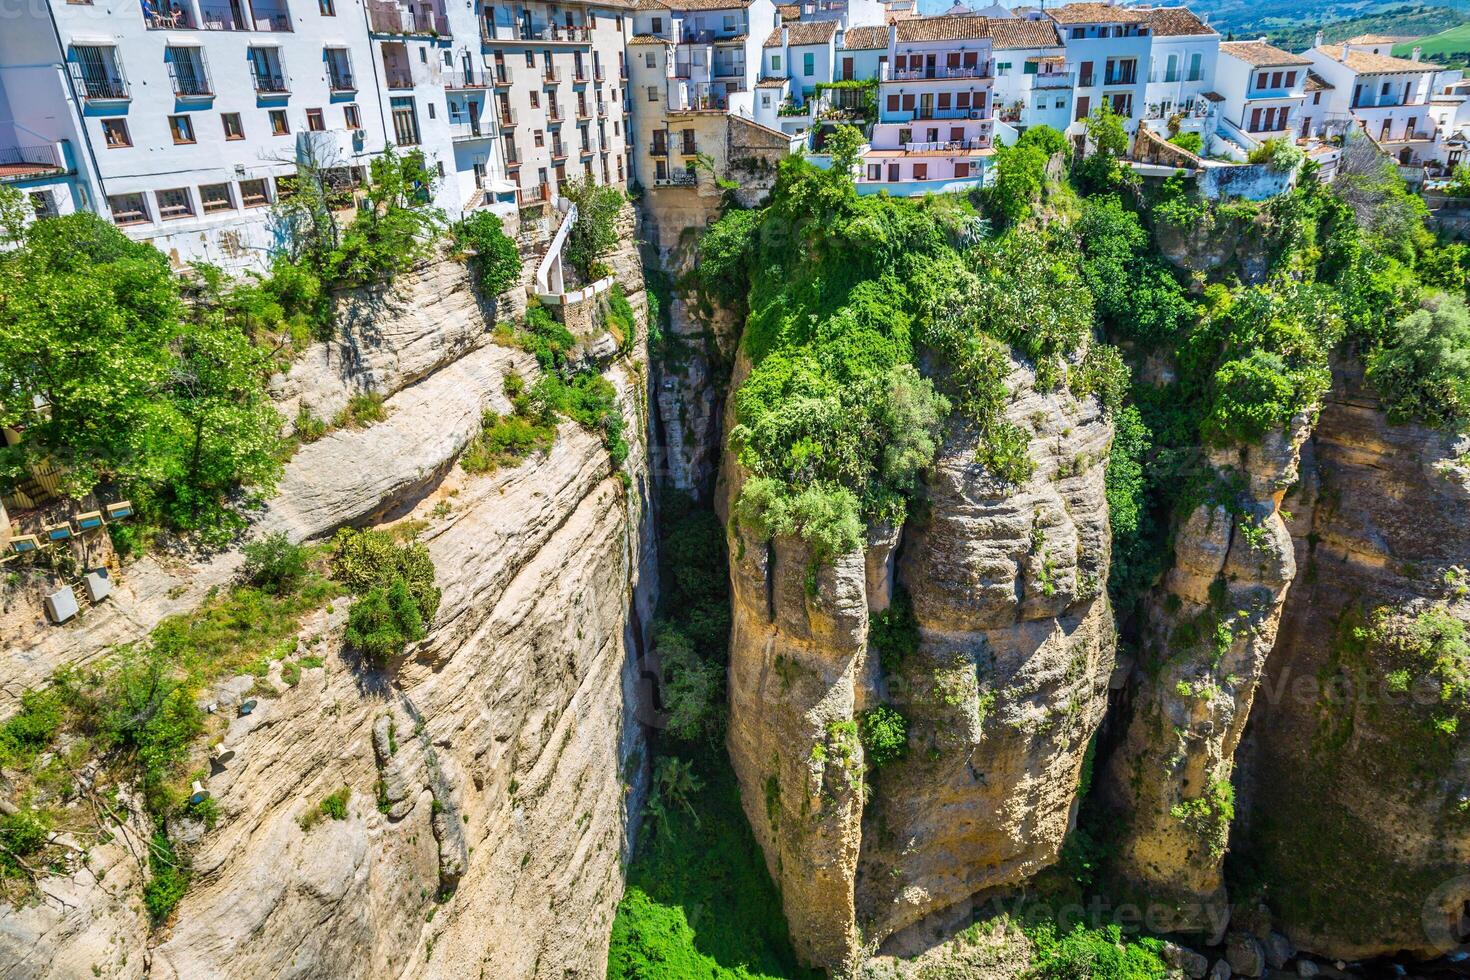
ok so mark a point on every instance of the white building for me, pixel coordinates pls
(1109, 48)
(1033, 80)
(1388, 97)
(1181, 66)
(1262, 89)
(184, 120)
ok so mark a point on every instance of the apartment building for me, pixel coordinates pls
(1109, 48)
(1033, 79)
(183, 120)
(1181, 65)
(1388, 97)
(935, 126)
(1262, 89)
(804, 52)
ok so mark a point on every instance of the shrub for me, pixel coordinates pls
(167, 883)
(546, 339)
(334, 804)
(396, 228)
(1093, 954)
(362, 409)
(1280, 153)
(591, 401)
(506, 440)
(1423, 370)
(894, 632)
(22, 834)
(1020, 174)
(1189, 142)
(383, 622)
(496, 262)
(308, 427)
(32, 727)
(1044, 138)
(885, 736)
(724, 253)
(367, 560)
(691, 686)
(275, 565)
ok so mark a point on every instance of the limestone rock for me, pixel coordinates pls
(1245, 955)
(1002, 697)
(1353, 805)
(1191, 964)
(1278, 950)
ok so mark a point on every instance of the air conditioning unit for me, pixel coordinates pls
(977, 113)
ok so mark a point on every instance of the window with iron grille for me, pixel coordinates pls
(174, 203)
(216, 197)
(128, 209)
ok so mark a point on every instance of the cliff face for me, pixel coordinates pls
(1002, 695)
(493, 775)
(1357, 813)
(1208, 632)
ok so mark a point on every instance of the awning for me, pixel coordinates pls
(182, 40)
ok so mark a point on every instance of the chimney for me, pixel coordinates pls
(1317, 41)
(1345, 50)
(1417, 53)
(785, 35)
(892, 35)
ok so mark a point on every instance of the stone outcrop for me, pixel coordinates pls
(1355, 806)
(1002, 696)
(1207, 634)
(494, 774)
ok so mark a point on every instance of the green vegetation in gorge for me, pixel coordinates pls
(394, 581)
(494, 261)
(507, 440)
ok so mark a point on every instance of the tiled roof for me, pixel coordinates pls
(803, 32)
(1096, 13)
(789, 11)
(944, 28)
(1014, 32)
(646, 39)
(771, 83)
(1368, 63)
(1381, 38)
(690, 4)
(1260, 54)
(865, 38)
(1316, 83)
(1175, 22)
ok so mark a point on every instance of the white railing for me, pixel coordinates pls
(549, 277)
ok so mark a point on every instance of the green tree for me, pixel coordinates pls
(14, 211)
(1423, 373)
(1020, 174)
(397, 227)
(384, 621)
(496, 262)
(1049, 141)
(595, 232)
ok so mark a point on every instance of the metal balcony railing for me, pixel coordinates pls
(98, 87)
(271, 82)
(341, 81)
(940, 71)
(466, 79)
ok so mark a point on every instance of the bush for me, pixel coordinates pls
(361, 410)
(334, 804)
(724, 253)
(1423, 371)
(894, 632)
(22, 834)
(496, 262)
(885, 736)
(275, 565)
(368, 560)
(595, 232)
(591, 401)
(1044, 138)
(384, 622)
(1189, 142)
(31, 728)
(546, 339)
(167, 883)
(397, 227)
(1020, 174)
(691, 686)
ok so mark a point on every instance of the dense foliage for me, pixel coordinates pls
(395, 584)
(595, 232)
(119, 383)
(495, 261)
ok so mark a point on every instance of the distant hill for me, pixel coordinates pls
(1292, 23)
(1450, 48)
(1405, 20)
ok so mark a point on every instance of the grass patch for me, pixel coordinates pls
(361, 410)
(508, 440)
(699, 902)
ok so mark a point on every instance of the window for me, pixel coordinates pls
(1078, 33)
(351, 116)
(1290, 79)
(181, 128)
(875, 171)
(1194, 67)
(808, 64)
(339, 70)
(253, 193)
(1171, 71)
(128, 209)
(658, 25)
(279, 125)
(98, 73)
(535, 100)
(530, 59)
(215, 197)
(1002, 67)
(538, 138)
(231, 122)
(115, 133)
(1263, 80)
(43, 204)
(285, 187)
(431, 110)
(174, 203)
(315, 121)
(775, 62)
(921, 171)
(327, 7)
(653, 93)
(405, 122)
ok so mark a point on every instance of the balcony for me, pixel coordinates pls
(465, 132)
(533, 197)
(583, 113)
(947, 146)
(190, 79)
(273, 17)
(508, 118)
(386, 17)
(597, 74)
(466, 79)
(1052, 79)
(929, 112)
(524, 31)
(501, 76)
(733, 69)
(553, 114)
(1087, 81)
(658, 149)
(939, 72)
(601, 110)
(579, 74)
(558, 151)
(551, 74)
(341, 81)
(398, 77)
(22, 162)
(271, 83)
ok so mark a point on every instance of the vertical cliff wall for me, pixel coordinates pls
(1208, 632)
(1356, 785)
(493, 775)
(1003, 694)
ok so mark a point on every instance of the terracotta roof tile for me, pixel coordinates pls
(1175, 22)
(944, 29)
(865, 38)
(1316, 83)
(1382, 38)
(1096, 13)
(1368, 63)
(1018, 33)
(803, 33)
(771, 83)
(1260, 54)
